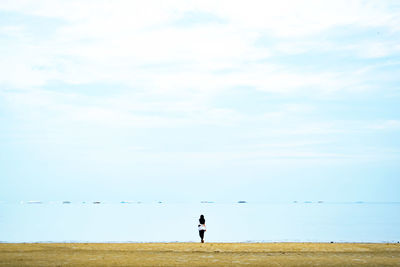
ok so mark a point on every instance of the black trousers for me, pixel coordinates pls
(201, 233)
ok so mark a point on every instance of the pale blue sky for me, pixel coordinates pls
(200, 100)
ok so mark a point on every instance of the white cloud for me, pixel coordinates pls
(113, 40)
(379, 49)
(386, 125)
(172, 70)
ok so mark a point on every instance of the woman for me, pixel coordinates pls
(202, 227)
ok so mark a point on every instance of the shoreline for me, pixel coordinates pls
(195, 242)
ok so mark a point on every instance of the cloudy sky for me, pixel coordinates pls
(200, 100)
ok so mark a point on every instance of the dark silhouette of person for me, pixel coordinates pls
(202, 227)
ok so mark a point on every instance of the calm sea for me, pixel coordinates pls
(168, 222)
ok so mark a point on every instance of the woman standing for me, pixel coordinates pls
(202, 227)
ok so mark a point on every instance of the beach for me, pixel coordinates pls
(196, 254)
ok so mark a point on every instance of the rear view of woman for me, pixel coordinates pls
(202, 227)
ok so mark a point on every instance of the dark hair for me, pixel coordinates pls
(202, 220)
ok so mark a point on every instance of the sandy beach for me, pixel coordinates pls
(196, 254)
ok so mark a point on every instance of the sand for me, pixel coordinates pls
(196, 254)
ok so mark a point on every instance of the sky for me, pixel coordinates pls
(200, 100)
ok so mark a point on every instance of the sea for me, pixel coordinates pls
(126, 221)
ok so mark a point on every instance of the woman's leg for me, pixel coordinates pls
(201, 233)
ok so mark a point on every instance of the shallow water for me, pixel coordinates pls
(168, 222)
